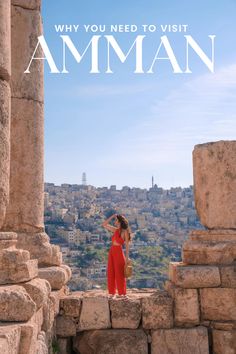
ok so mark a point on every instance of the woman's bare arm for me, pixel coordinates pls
(107, 226)
(126, 245)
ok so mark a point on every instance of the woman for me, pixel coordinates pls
(116, 258)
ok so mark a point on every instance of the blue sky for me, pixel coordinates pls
(123, 128)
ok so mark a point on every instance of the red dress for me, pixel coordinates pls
(116, 265)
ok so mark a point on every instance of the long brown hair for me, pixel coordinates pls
(124, 224)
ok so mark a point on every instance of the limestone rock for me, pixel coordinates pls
(25, 209)
(65, 345)
(19, 273)
(115, 341)
(125, 313)
(187, 276)
(5, 40)
(195, 252)
(56, 276)
(9, 339)
(228, 276)
(15, 304)
(65, 326)
(218, 304)
(184, 341)
(29, 25)
(28, 4)
(39, 290)
(28, 338)
(186, 307)
(224, 342)
(7, 239)
(95, 313)
(42, 347)
(39, 247)
(70, 305)
(214, 176)
(157, 310)
(5, 95)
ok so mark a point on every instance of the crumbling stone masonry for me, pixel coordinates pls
(196, 313)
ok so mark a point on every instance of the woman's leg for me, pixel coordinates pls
(111, 274)
(119, 264)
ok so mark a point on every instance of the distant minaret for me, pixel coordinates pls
(84, 180)
(152, 181)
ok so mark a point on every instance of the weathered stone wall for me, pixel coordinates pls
(196, 313)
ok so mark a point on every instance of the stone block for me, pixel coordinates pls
(228, 276)
(197, 252)
(70, 305)
(15, 304)
(65, 326)
(28, 338)
(42, 347)
(39, 290)
(27, 4)
(114, 341)
(56, 276)
(186, 276)
(224, 342)
(157, 310)
(5, 40)
(38, 244)
(5, 95)
(214, 177)
(26, 204)
(65, 345)
(95, 313)
(178, 340)
(7, 240)
(125, 313)
(29, 25)
(20, 272)
(9, 339)
(218, 304)
(186, 307)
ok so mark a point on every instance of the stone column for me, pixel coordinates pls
(5, 96)
(25, 209)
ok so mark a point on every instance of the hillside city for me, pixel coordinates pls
(160, 220)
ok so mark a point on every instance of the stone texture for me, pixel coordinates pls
(65, 345)
(224, 342)
(9, 339)
(125, 313)
(176, 341)
(218, 304)
(70, 305)
(157, 310)
(4, 135)
(7, 239)
(15, 304)
(224, 326)
(228, 276)
(5, 40)
(19, 273)
(214, 177)
(186, 307)
(95, 313)
(25, 210)
(56, 276)
(39, 247)
(39, 290)
(194, 252)
(28, 338)
(29, 25)
(42, 347)
(115, 341)
(65, 326)
(194, 276)
(28, 4)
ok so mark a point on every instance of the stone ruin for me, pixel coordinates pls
(196, 313)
